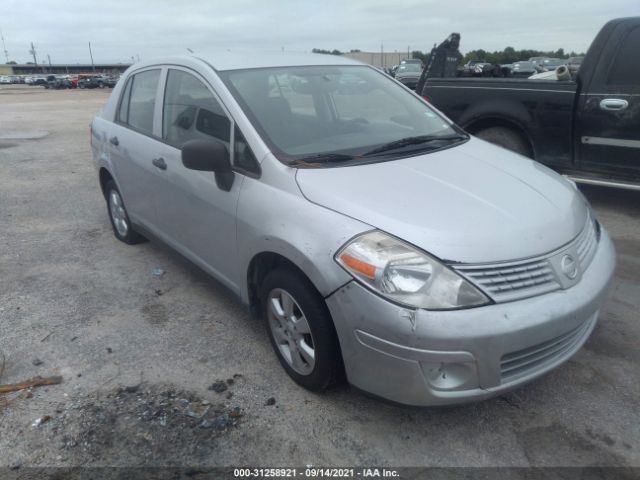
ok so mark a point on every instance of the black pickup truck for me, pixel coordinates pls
(588, 129)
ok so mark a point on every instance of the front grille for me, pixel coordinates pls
(523, 361)
(513, 280)
(509, 281)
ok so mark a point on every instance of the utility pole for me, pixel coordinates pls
(6, 54)
(49, 59)
(93, 67)
(33, 52)
(408, 54)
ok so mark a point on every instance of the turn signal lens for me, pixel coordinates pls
(359, 266)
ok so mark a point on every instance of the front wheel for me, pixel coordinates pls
(120, 222)
(300, 329)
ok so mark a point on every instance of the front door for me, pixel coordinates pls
(195, 215)
(608, 129)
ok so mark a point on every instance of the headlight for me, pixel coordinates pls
(405, 274)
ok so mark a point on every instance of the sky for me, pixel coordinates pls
(122, 30)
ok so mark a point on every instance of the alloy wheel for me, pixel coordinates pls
(291, 331)
(118, 214)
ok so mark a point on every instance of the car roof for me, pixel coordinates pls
(238, 61)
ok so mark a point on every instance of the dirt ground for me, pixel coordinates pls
(171, 370)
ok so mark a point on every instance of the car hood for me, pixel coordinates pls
(472, 203)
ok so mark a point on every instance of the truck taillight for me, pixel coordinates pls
(426, 98)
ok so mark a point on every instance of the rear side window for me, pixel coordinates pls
(123, 111)
(625, 71)
(191, 111)
(138, 101)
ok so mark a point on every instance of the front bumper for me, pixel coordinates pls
(421, 357)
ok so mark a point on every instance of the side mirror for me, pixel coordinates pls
(209, 156)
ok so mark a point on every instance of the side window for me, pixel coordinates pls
(244, 157)
(191, 111)
(123, 111)
(142, 97)
(625, 71)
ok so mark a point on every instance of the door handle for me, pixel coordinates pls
(160, 163)
(115, 141)
(613, 104)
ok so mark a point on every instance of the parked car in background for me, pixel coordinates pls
(523, 69)
(97, 81)
(5, 80)
(372, 235)
(58, 82)
(537, 61)
(409, 73)
(551, 64)
(588, 129)
(573, 64)
(39, 80)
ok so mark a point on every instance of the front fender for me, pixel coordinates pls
(280, 220)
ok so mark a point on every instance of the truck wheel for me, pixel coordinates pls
(506, 138)
(122, 228)
(300, 328)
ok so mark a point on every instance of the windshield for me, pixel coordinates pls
(330, 113)
(556, 62)
(410, 67)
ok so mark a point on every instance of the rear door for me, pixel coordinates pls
(195, 216)
(133, 143)
(608, 125)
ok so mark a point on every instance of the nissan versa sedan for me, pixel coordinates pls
(376, 239)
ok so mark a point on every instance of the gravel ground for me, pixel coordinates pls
(143, 356)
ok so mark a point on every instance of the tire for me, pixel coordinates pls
(506, 138)
(100, 85)
(122, 228)
(313, 330)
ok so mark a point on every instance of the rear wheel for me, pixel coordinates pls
(506, 138)
(300, 329)
(120, 222)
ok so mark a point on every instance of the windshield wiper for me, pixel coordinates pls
(324, 158)
(405, 142)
